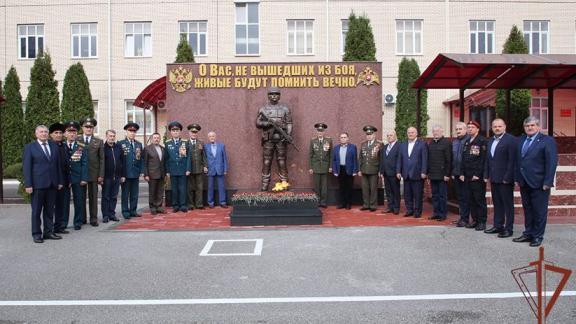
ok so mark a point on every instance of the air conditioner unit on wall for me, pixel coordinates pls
(389, 99)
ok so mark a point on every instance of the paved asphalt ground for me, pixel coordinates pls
(160, 277)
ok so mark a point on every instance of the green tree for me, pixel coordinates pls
(12, 115)
(519, 98)
(359, 44)
(408, 72)
(76, 96)
(42, 102)
(184, 53)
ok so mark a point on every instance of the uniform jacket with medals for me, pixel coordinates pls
(474, 157)
(95, 151)
(369, 158)
(78, 162)
(177, 158)
(320, 154)
(197, 157)
(133, 158)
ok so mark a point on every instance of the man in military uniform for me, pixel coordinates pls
(369, 161)
(197, 170)
(472, 174)
(62, 203)
(272, 140)
(133, 168)
(320, 157)
(95, 149)
(177, 166)
(78, 161)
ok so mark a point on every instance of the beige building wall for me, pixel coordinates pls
(115, 78)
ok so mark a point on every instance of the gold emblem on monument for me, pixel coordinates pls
(180, 79)
(368, 77)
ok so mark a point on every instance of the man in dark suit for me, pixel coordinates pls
(345, 168)
(537, 159)
(412, 166)
(95, 149)
(472, 174)
(217, 168)
(42, 179)
(177, 167)
(154, 172)
(462, 190)
(439, 165)
(369, 163)
(319, 159)
(113, 176)
(500, 165)
(62, 204)
(197, 169)
(133, 165)
(388, 161)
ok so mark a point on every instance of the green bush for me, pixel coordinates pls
(13, 171)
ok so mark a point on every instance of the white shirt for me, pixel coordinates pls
(87, 139)
(159, 151)
(343, 150)
(45, 147)
(390, 146)
(411, 147)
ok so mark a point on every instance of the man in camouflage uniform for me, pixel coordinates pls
(320, 158)
(272, 140)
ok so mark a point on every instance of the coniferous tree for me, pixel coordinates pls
(184, 53)
(359, 45)
(76, 96)
(12, 115)
(408, 72)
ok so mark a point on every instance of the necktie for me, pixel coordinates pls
(87, 140)
(526, 145)
(388, 149)
(132, 144)
(46, 150)
(70, 146)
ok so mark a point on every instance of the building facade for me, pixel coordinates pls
(124, 45)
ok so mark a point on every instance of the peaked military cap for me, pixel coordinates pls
(320, 127)
(72, 125)
(174, 124)
(194, 128)
(369, 129)
(132, 126)
(273, 90)
(91, 122)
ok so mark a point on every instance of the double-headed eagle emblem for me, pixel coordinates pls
(368, 77)
(180, 78)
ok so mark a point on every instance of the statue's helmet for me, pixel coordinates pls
(273, 90)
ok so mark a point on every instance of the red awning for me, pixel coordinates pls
(482, 97)
(499, 71)
(152, 95)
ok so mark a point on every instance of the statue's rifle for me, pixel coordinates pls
(285, 136)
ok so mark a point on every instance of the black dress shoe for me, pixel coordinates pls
(114, 219)
(417, 216)
(153, 212)
(321, 206)
(201, 207)
(175, 210)
(480, 227)
(364, 208)
(38, 240)
(441, 219)
(77, 227)
(226, 206)
(184, 210)
(433, 217)
(396, 212)
(505, 234)
(493, 230)
(94, 224)
(340, 207)
(161, 211)
(387, 211)
(408, 214)
(136, 215)
(536, 242)
(471, 225)
(62, 232)
(522, 239)
(348, 207)
(84, 222)
(372, 209)
(461, 223)
(52, 237)
(104, 221)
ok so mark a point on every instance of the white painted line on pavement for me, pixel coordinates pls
(216, 301)
(257, 248)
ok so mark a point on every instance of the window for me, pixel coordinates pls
(484, 115)
(343, 35)
(30, 41)
(84, 40)
(195, 33)
(247, 29)
(136, 115)
(536, 36)
(138, 39)
(539, 109)
(96, 115)
(481, 37)
(300, 37)
(408, 37)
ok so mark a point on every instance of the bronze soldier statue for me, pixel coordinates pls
(275, 138)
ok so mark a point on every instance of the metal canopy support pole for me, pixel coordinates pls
(550, 112)
(144, 110)
(418, 107)
(508, 112)
(461, 103)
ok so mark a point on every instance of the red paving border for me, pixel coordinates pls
(218, 219)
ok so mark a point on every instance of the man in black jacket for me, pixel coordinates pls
(62, 204)
(439, 160)
(388, 162)
(461, 189)
(113, 176)
(472, 174)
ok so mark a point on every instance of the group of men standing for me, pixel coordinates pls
(60, 165)
(470, 161)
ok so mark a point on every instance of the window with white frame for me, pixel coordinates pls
(343, 35)
(30, 41)
(536, 35)
(539, 109)
(408, 37)
(195, 33)
(136, 115)
(247, 29)
(138, 39)
(300, 37)
(84, 40)
(96, 115)
(481, 37)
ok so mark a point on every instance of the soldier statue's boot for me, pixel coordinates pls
(265, 182)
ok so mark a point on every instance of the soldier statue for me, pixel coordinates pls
(275, 120)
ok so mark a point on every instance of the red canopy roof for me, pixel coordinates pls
(152, 94)
(499, 71)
